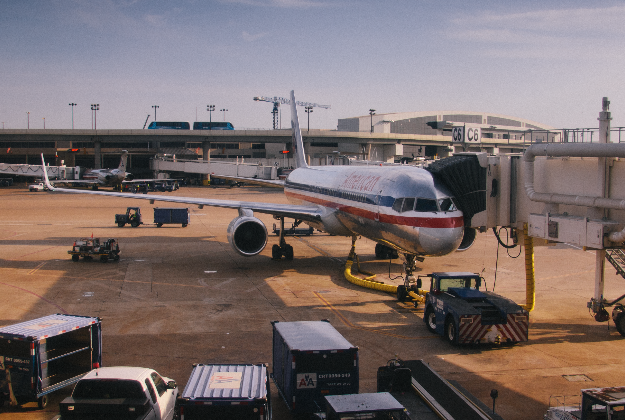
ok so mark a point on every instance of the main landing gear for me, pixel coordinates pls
(284, 249)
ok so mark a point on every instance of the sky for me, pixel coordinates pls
(546, 61)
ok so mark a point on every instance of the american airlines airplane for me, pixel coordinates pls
(403, 209)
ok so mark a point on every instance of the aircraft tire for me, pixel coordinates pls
(619, 321)
(430, 319)
(402, 293)
(276, 252)
(288, 253)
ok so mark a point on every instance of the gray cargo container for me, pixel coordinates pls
(311, 359)
(175, 215)
(40, 356)
(239, 391)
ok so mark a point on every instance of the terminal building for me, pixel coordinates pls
(396, 137)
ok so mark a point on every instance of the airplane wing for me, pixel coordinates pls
(306, 213)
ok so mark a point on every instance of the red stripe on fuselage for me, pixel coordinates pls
(422, 222)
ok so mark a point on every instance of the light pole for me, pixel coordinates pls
(308, 110)
(210, 109)
(372, 113)
(27, 120)
(95, 108)
(44, 123)
(155, 106)
(224, 111)
(72, 105)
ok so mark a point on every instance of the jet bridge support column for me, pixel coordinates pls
(97, 151)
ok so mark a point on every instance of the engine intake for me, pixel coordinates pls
(247, 235)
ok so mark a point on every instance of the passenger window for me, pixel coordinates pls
(151, 391)
(426, 205)
(397, 204)
(408, 204)
(447, 204)
(161, 386)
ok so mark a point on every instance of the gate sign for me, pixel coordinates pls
(466, 134)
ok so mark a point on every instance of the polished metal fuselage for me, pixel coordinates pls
(358, 201)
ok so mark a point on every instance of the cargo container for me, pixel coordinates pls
(311, 359)
(215, 392)
(163, 216)
(45, 354)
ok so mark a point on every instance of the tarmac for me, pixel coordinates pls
(180, 296)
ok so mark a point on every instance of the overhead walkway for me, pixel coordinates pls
(54, 172)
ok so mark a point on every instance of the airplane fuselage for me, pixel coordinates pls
(105, 177)
(401, 207)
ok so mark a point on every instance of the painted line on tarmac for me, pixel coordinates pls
(349, 324)
(34, 270)
(35, 294)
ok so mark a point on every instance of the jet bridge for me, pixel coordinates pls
(570, 191)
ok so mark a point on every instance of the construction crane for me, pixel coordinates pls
(276, 104)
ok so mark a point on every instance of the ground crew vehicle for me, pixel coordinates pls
(597, 403)
(458, 310)
(121, 392)
(237, 391)
(45, 354)
(132, 217)
(173, 215)
(90, 248)
(311, 359)
(38, 187)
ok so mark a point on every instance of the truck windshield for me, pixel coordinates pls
(108, 389)
(457, 282)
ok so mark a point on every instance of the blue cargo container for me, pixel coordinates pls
(175, 215)
(238, 391)
(45, 354)
(311, 359)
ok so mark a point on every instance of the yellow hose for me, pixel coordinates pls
(530, 281)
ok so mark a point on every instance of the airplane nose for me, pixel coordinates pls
(437, 241)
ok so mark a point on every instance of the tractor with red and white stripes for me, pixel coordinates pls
(457, 309)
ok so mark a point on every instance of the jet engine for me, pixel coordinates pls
(467, 239)
(247, 235)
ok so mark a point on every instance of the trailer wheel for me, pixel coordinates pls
(121, 224)
(75, 257)
(619, 321)
(104, 258)
(451, 331)
(184, 225)
(42, 402)
(159, 224)
(430, 319)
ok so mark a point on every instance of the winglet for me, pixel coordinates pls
(298, 142)
(45, 174)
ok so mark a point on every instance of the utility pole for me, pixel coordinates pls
(309, 109)
(210, 109)
(155, 106)
(72, 105)
(372, 113)
(95, 108)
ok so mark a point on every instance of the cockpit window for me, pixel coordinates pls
(408, 204)
(424, 204)
(447, 204)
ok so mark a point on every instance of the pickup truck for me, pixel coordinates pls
(38, 187)
(120, 392)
